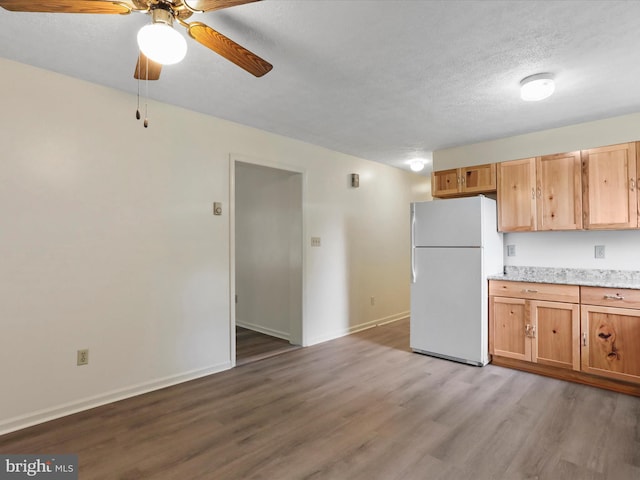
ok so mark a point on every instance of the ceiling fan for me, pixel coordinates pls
(159, 43)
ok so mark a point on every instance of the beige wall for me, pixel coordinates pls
(108, 242)
(558, 140)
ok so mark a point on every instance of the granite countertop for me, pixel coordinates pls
(572, 276)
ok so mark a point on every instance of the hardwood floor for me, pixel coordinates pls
(359, 407)
(253, 346)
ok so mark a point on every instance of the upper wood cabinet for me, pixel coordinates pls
(459, 182)
(559, 192)
(609, 175)
(445, 183)
(542, 193)
(517, 196)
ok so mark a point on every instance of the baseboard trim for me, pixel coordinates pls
(265, 330)
(360, 327)
(45, 415)
(569, 375)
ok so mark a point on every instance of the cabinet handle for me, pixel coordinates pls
(459, 181)
(529, 290)
(584, 339)
(530, 330)
(462, 180)
(632, 183)
(533, 193)
(617, 296)
(539, 192)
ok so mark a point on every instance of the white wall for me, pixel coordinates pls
(558, 249)
(575, 249)
(108, 242)
(268, 240)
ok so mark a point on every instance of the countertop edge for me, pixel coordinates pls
(627, 279)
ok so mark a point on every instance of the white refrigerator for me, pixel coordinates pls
(455, 245)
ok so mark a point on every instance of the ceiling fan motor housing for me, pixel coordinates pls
(161, 13)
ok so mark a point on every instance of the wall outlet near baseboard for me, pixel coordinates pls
(83, 357)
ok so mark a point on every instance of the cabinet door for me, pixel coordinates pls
(559, 192)
(517, 196)
(609, 178)
(556, 338)
(610, 339)
(478, 179)
(445, 183)
(509, 318)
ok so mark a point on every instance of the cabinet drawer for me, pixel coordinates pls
(610, 297)
(535, 291)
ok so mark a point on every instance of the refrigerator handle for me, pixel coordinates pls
(413, 244)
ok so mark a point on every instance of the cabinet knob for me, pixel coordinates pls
(632, 184)
(529, 290)
(584, 339)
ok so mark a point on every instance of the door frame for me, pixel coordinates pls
(300, 338)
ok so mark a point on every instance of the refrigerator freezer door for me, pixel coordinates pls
(448, 311)
(454, 222)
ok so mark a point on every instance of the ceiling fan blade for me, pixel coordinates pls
(209, 5)
(229, 49)
(147, 69)
(68, 6)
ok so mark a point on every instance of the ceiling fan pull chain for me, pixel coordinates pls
(146, 98)
(138, 107)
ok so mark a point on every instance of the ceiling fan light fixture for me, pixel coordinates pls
(537, 87)
(160, 42)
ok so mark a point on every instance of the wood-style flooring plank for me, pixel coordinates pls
(252, 346)
(359, 407)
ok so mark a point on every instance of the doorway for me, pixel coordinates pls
(267, 275)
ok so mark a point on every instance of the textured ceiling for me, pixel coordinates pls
(382, 80)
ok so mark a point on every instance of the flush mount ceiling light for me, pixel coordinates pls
(537, 87)
(416, 165)
(159, 41)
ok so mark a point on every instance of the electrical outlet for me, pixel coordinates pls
(511, 250)
(83, 356)
(599, 251)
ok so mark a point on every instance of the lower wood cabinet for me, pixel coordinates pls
(591, 333)
(611, 335)
(536, 331)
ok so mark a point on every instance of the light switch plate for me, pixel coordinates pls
(315, 241)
